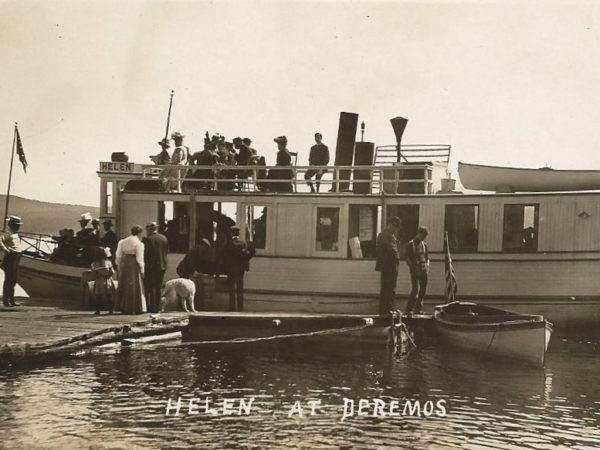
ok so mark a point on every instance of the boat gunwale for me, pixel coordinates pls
(542, 169)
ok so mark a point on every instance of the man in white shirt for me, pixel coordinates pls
(10, 244)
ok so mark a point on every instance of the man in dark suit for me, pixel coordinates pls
(109, 239)
(156, 248)
(388, 259)
(237, 262)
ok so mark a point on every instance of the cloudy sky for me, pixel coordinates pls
(507, 83)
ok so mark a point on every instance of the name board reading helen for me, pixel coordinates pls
(116, 166)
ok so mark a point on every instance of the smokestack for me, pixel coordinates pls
(399, 125)
(344, 150)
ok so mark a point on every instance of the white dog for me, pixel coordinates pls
(178, 294)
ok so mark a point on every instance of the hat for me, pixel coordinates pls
(107, 222)
(247, 141)
(396, 221)
(177, 135)
(152, 225)
(95, 220)
(234, 228)
(281, 139)
(85, 217)
(237, 139)
(14, 220)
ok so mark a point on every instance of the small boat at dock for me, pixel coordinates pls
(494, 331)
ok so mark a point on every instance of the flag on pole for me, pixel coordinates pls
(20, 152)
(451, 286)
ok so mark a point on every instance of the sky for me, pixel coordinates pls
(504, 83)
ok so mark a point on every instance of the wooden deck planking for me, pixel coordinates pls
(44, 327)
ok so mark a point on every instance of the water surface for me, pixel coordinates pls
(118, 399)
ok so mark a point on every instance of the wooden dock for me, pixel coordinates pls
(45, 328)
(42, 328)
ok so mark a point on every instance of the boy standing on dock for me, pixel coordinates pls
(10, 244)
(417, 259)
(237, 263)
(388, 259)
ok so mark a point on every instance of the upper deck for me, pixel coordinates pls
(420, 171)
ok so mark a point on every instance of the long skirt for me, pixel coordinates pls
(130, 297)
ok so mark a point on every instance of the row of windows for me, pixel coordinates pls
(520, 226)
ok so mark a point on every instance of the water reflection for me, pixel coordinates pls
(119, 399)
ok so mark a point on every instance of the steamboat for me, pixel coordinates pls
(529, 252)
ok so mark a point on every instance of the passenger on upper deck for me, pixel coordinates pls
(226, 158)
(253, 153)
(283, 159)
(181, 153)
(179, 157)
(319, 156)
(163, 157)
(207, 157)
(244, 153)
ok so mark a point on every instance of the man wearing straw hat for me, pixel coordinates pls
(10, 244)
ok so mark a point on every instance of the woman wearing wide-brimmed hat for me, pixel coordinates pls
(130, 298)
(10, 244)
(284, 158)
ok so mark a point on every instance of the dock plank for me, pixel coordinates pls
(42, 328)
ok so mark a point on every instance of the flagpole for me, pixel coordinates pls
(12, 157)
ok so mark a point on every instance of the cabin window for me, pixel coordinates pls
(328, 229)
(108, 197)
(520, 228)
(409, 215)
(174, 222)
(256, 226)
(363, 226)
(462, 224)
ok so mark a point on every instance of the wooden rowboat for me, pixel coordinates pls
(494, 331)
(511, 179)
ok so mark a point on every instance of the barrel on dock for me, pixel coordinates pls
(205, 290)
(364, 152)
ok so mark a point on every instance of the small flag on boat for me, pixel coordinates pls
(451, 286)
(20, 151)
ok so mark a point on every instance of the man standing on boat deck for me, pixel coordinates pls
(237, 262)
(155, 259)
(388, 259)
(95, 232)
(417, 258)
(10, 244)
(319, 156)
(109, 239)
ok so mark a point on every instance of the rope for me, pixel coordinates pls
(279, 336)
(493, 336)
(403, 326)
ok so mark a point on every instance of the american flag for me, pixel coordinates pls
(20, 152)
(451, 286)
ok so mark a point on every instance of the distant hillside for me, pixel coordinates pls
(44, 217)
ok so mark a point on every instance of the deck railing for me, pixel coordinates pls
(413, 153)
(359, 179)
(37, 244)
